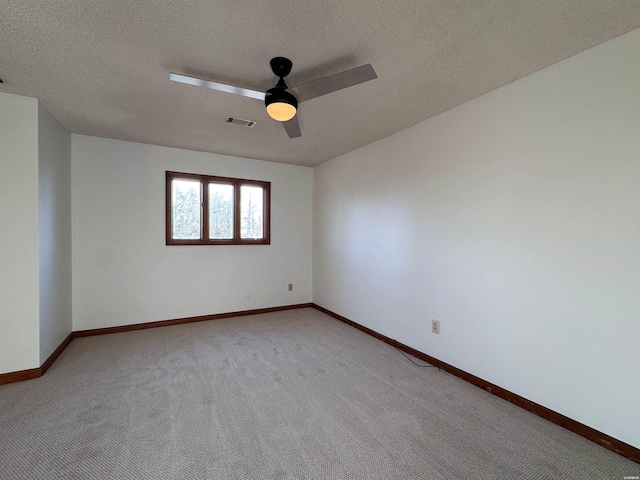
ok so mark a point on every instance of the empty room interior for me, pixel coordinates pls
(355, 239)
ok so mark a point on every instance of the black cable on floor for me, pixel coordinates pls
(416, 364)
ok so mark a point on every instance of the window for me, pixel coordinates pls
(205, 210)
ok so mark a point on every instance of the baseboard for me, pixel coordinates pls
(179, 321)
(19, 376)
(36, 372)
(56, 353)
(613, 444)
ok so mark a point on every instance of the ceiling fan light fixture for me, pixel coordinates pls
(281, 105)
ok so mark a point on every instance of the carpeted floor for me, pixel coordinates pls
(293, 394)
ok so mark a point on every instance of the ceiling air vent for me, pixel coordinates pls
(240, 121)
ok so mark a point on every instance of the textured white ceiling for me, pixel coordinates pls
(102, 67)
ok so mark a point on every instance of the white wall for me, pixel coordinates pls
(54, 219)
(18, 233)
(123, 272)
(514, 220)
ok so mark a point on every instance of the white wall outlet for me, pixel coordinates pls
(435, 326)
(290, 288)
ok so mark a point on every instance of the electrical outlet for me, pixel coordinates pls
(291, 287)
(435, 326)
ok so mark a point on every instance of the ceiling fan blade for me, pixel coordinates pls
(221, 87)
(292, 127)
(332, 83)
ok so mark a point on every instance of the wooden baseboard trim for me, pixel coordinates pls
(19, 376)
(179, 321)
(613, 444)
(36, 372)
(56, 353)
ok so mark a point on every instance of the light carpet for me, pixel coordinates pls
(287, 395)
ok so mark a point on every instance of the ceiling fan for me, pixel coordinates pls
(282, 101)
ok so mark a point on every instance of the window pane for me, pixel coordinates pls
(251, 211)
(220, 211)
(186, 201)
